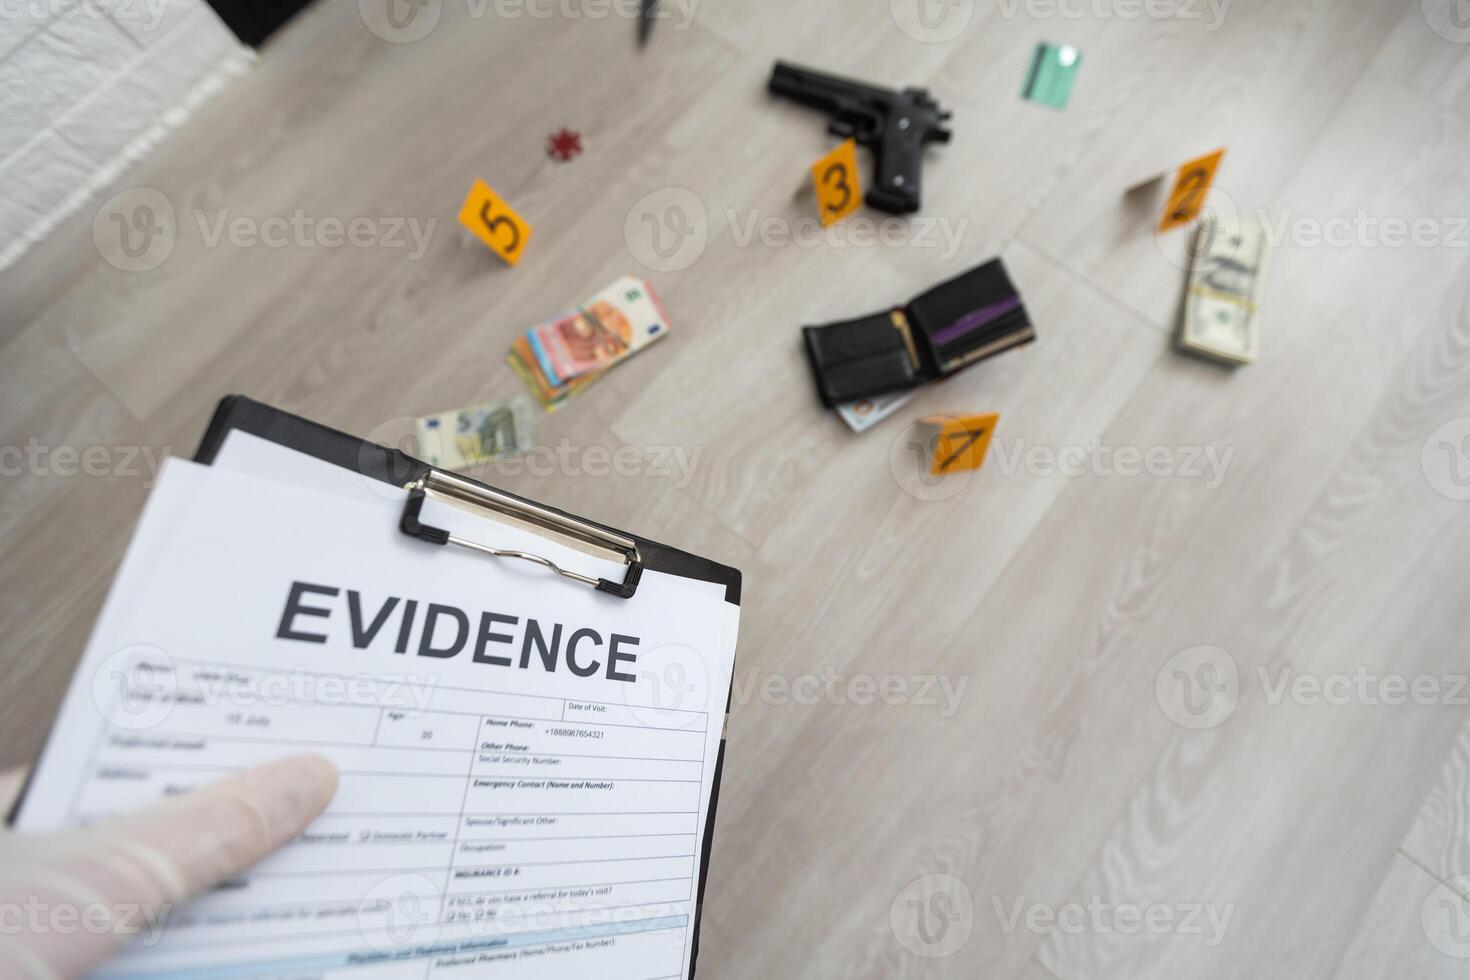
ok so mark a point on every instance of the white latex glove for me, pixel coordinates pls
(69, 900)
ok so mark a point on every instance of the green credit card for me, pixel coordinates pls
(1053, 69)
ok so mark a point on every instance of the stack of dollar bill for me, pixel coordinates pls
(473, 436)
(1224, 281)
(560, 357)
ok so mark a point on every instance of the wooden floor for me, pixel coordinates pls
(1327, 836)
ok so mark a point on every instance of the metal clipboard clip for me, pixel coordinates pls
(463, 491)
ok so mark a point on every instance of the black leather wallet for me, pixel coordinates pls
(951, 326)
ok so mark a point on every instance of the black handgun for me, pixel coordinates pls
(896, 125)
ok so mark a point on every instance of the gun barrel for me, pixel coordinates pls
(818, 89)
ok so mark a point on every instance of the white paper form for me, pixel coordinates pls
(526, 763)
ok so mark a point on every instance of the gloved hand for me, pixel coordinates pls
(69, 900)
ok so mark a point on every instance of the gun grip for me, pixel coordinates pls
(897, 164)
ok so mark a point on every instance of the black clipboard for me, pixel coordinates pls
(393, 466)
(398, 468)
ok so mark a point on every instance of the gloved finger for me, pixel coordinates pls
(199, 839)
(128, 873)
